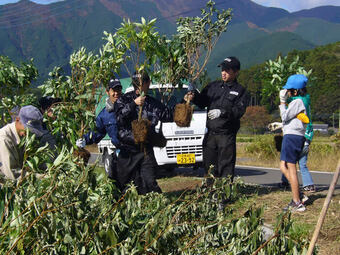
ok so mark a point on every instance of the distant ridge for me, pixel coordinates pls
(50, 33)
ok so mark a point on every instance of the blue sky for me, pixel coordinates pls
(296, 5)
(289, 5)
(36, 1)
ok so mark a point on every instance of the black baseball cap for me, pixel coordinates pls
(46, 102)
(113, 83)
(230, 63)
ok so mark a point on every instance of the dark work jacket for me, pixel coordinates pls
(126, 111)
(231, 98)
(105, 124)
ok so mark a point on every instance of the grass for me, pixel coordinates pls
(323, 156)
(273, 200)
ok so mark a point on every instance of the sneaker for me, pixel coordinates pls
(284, 185)
(309, 188)
(295, 207)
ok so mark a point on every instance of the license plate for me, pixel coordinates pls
(186, 158)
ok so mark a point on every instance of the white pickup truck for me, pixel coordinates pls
(184, 144)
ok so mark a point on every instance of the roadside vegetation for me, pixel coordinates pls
(260, 150)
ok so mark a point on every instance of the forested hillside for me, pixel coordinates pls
(50, 33)
(323, 84)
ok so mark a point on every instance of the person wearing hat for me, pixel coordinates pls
(294, 121)
(135, 164)
(226, 101)
(11, 154)
(307, 180)
(106, 123)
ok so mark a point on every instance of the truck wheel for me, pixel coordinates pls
(109, 164)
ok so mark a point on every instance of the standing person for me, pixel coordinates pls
(307, 180)
(226, 101)
(11, 154)
(106, 124)
(133, 163)
(293, 135)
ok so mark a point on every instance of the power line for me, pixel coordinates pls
(42, 19)
(162, 18)
(36, 12)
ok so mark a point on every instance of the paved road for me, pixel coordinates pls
(258, 175)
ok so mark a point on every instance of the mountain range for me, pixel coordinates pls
(50, 33)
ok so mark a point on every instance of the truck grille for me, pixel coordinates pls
(171, 151)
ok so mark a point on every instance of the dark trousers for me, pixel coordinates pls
(138, 167)
(219, 150)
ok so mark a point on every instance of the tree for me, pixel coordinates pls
(79, 92)
(275, 76)
(15, 81)
(256, 118)
(199, 35)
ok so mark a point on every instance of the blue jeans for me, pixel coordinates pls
(305, 174)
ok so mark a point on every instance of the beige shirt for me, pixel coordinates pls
(11, 156)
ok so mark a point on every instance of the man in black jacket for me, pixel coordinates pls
(226, 101)
(135, 163)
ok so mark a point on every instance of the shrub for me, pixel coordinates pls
(263, 147)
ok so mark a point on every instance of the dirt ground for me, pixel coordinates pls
(273, 200)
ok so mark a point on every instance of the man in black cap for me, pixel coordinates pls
(135, 164)
(106, 124)
(11, 154)
(226, 101)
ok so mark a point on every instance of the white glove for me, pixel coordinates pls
(274, 126)
(283, 95)
(214, 114)
(305, 148)
(81, 143)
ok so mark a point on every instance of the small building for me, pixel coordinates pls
(322, 128)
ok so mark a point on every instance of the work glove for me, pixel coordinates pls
(274, 126)
(305, 148)
(191, 87)
(81, 143)
(283, 95)
(214, 114)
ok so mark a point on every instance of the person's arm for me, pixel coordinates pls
(239, 108)
(294, 108)
(95, 136)
(124, 109)
(201, 99)
(5, 160)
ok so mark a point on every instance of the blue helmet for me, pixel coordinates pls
(296, 81)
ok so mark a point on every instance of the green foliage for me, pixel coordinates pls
(79, 92)
(74, 209)
(275, 76)
(323, 85)
(138, 42)
(14, 83)
(15, 80)
(263, 146)
(199, 35)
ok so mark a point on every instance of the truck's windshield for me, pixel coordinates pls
(169, 98)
